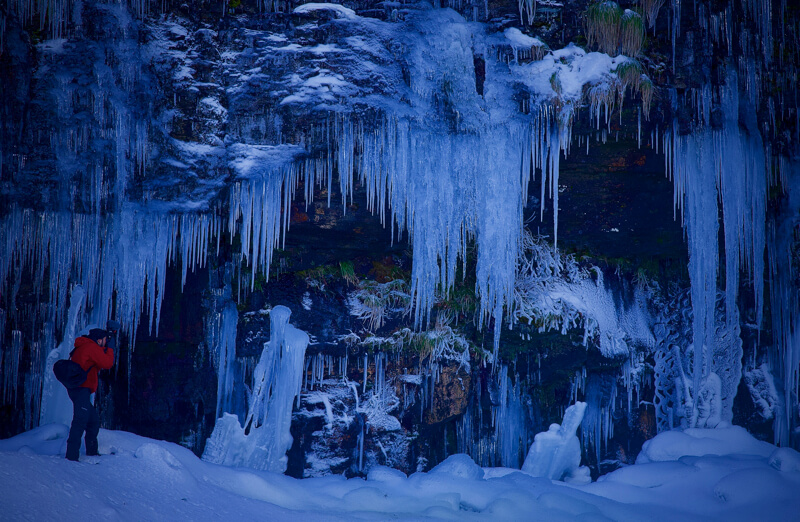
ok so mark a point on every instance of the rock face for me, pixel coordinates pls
(450, 396)
(360, 164)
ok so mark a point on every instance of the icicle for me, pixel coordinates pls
(11, 368)
(706, 166)
(639, 127)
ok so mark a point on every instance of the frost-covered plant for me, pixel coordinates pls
(603, 26)
(445, 344)
(614, 30)
(554, 293)
(439, 344)
(762, 389)
(631, 33)
(631, 74)
(378, 407)
(372, 301)
(676, 378)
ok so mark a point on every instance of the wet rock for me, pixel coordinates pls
(450, 395)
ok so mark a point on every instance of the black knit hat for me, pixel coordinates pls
(95, 334)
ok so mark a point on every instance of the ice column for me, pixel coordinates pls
(694, 176)
(785, 304)
(265, 439)
(226, 352)
(56, 405)
(11, 368)
(511, 430)
(728, 165)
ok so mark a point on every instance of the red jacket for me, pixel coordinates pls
(91, 356)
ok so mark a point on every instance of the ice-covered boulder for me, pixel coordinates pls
(556, 453)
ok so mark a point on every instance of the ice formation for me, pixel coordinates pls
(556, 454)
(446, 159)
(678, 399)
(728, 165)
(447, 164)
(785, 304)
(762, 389)
(56, 405)
(221, 325)
(264, 439)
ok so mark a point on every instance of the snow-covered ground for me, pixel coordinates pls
(721, 474)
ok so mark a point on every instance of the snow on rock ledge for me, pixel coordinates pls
(340, 10)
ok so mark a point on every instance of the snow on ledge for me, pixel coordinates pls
(519, 39)
(250, 161)
(340, 10)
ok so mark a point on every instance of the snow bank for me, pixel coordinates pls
(144, 479)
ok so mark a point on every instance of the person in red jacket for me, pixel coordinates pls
(92, 354)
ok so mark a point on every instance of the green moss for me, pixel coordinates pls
(320, 275)
(348, 272)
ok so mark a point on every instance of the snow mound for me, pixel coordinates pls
(156, 454)
(50, 439)
(385, 474)
(672, 445)
(750, 485)
(785, 459)
(461, 466)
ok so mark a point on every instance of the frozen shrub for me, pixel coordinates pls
(614, 30)
(631, 33)
(603, 26)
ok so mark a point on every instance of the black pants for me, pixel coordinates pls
(84, 418)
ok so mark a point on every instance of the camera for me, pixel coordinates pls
(113, 326)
